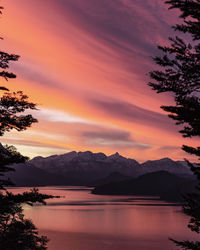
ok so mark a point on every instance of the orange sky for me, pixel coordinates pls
(85, 64)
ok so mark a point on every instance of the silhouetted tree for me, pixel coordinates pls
(16, 232)
(181, 76)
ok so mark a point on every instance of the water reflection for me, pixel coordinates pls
(79, 220)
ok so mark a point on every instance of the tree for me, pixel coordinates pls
(16, 232)
(180, 75)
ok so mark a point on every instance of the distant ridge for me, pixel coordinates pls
(86, 168)
(148, 184)
(162, 184)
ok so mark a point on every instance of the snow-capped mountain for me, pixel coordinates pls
(99, 165)
(88, 164)
(166, 164)
(84, 168)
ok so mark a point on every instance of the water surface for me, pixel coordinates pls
(80, 220)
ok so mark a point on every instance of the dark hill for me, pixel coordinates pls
(154, 184)
(177, 192)
(113, 177)
(31, 176)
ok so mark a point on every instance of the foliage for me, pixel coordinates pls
(16, 232)
(8, 155)
(180, 74)
(11, 104)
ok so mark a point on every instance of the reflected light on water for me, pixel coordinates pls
(133, 222)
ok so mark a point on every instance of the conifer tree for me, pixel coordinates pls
(180, 75)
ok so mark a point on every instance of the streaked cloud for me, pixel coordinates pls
(86, 63)
(112, 138)
(53, 115)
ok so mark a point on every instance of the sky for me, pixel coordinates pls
(86, 64)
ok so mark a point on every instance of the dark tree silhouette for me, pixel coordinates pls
(16, 232)
(180, 74)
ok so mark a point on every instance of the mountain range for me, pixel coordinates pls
(87, 168)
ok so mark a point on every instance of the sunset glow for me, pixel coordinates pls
(86, 63)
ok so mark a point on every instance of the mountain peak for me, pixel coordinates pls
(116, 156)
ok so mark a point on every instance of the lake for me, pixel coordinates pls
(80, 220)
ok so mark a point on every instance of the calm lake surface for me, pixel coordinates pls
(80, 220)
